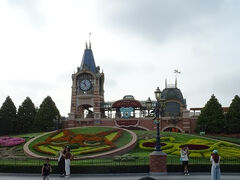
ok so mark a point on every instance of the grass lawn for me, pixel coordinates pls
(143, 155)
(90, 130)
(224, 138)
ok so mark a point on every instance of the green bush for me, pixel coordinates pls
(125, 157)
(195, 155)
(74, 146)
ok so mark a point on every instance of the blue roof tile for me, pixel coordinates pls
(88, 61)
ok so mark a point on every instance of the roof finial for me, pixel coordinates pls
(86, 45)
(176, 72)
(166, 83)
(89, 40)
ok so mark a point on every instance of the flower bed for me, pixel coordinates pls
(195, 146)
(79, 143)
(198, 148)
(10, 141)
(152, 144)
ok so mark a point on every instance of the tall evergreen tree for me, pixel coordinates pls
(25, 116)
(7, 117)
(45, 116)
(233, 116)
(211, 119)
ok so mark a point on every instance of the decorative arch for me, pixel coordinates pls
(85, 111)
(127, 103)
(177, 127)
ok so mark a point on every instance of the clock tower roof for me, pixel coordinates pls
(88, 62)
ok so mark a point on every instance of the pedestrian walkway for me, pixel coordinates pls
(132, 176)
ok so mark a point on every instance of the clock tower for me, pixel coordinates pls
(87, 91)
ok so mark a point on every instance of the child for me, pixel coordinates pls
(46, 169)
(184, 158)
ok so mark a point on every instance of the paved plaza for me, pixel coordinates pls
(170, 176)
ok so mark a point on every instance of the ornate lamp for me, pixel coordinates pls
(158, 94)
(149, 105)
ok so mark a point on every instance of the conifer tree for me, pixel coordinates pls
(46, 115)
(25, 116)
(7, 117)
(233, 116)
(211, 119)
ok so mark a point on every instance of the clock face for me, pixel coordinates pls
(85, 85)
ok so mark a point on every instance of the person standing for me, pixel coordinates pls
(61, 162)
(46, 169)
(215, 170)
(68, 158)
(184, 158)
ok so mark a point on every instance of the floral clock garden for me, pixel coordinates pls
(114, 148)
(95, 141)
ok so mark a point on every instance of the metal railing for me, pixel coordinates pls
(137, 161)
(84, 162)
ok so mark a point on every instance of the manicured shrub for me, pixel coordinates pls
(195, 155)
(125, 157)
(168, 139)
(207, 154)
(199, 141)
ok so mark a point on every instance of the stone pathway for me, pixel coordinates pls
(170, 176)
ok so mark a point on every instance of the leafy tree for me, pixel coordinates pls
(7, 117)
(211, 119)
(233, 116)
(26, 115)
(45, 116)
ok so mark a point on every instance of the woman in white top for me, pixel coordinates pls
(215, 170)
(68, 157)
(184, 158)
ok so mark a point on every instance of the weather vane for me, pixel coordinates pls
(176, 72)
(89, 40)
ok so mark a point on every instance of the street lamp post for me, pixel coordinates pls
(158, 159)
(159, 108)
(57, 119)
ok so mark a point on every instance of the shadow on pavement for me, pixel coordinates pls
(147, 178)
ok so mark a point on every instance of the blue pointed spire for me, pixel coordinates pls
(88, 62)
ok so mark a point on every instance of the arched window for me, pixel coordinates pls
(172, 108)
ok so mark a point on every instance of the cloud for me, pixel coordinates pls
(30, 10)
(138, 43)
(158, 20)
(227, 85)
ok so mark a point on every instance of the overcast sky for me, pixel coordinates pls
(137, 43)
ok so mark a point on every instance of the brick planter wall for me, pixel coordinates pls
(158, 162)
